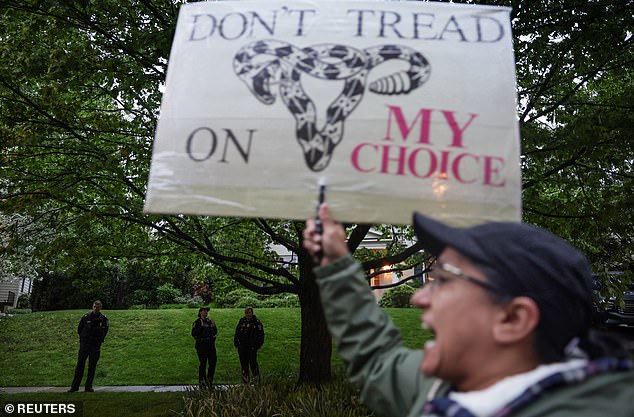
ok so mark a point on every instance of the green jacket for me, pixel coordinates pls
(387, 373)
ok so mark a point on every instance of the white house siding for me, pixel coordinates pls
(18, 286)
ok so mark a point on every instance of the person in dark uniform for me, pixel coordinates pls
(248, 338)
(92, 329)
(204, 330)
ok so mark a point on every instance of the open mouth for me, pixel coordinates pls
(426, 326)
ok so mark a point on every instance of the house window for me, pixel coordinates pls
(382, 278)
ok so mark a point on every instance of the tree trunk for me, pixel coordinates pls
(316, 342)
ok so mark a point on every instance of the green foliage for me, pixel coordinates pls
(242, 298)
(172, 306)
(191, 301)
(115, 285)
(23, 301)
(167, 294)
(280, 301)
(278, 397)
(398, 297)
(576, 89)
(20, 311)
(141, 297)
(55, 290)
(238, 298)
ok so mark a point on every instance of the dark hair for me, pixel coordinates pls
(599, 343)
(549, 349)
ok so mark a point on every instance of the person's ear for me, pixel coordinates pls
(516, 320)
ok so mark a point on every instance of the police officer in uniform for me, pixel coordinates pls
(92, 330)
(204, 330)
(248, 338)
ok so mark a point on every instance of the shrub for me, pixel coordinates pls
(191, 301)
(242, 297)
(23, 301)
(141, 297)
(277, 397)
(281, 301)
(167, 293)
(20, 311)
(137, 307)
(172, 306)
(397, 297)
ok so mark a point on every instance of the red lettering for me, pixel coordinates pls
(455, 129)
(444, 161)
(490, 170)
(404, 129)
(455, 167)
(431, 166)
(424, 163)
(395, 113)
(355, 156)
(400, 159)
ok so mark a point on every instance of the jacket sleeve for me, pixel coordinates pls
(106, 327)
(214, 329)
(236, 340)
(80, 326)
(196, 328)
(386, 372)
(260, 335)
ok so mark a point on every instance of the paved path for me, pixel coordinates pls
(123, 388)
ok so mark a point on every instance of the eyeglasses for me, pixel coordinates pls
(442, 273)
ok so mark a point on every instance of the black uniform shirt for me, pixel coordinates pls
(204, 331)
(92, 329)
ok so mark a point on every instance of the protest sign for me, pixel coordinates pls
(395, 106)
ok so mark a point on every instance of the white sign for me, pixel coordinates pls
(396, 106)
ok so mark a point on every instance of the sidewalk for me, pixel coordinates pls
(115, 388)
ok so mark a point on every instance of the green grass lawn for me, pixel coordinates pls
(153, 347)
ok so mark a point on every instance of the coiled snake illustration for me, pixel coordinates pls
(327, 62)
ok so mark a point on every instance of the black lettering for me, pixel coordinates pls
(203, 27)
(203, 141)
(452, 22)
(241, 25)
(418, 24)
(359, 19)
(300, 22)
(269, 28)
(212, 148)
(241, 150)
(392, 24)
(480, 27)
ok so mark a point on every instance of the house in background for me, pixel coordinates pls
(373, 242)
(11, 290)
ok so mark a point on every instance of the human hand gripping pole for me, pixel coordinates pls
(330, 244)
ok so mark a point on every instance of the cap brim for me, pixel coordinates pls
(431, 234)
(435, 236)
